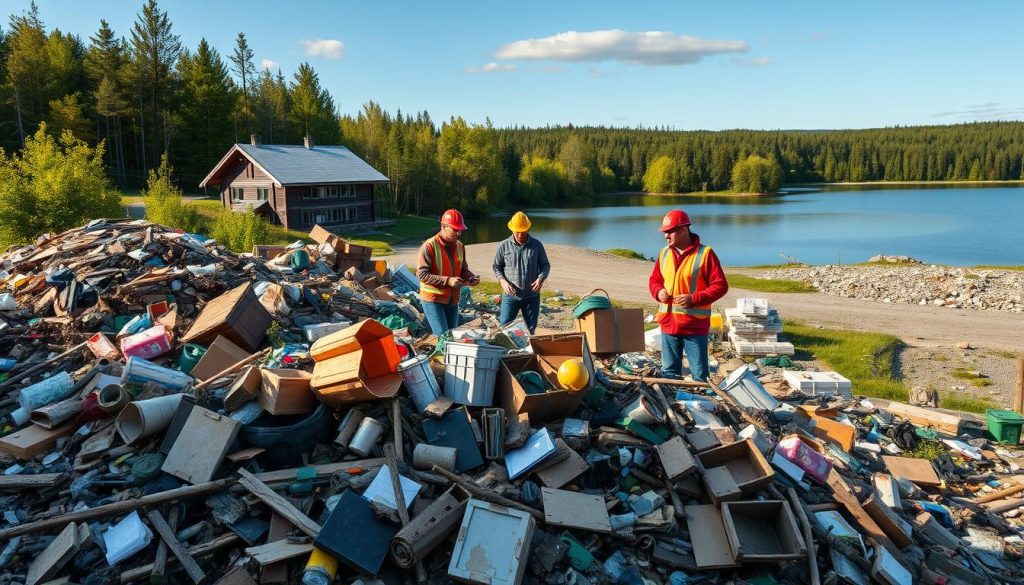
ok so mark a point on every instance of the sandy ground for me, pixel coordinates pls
(930, 333)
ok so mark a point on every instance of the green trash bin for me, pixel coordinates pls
(1004, 425)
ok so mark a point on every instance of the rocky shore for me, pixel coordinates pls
(953, 287)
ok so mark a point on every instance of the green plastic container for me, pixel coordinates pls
(1004, 425)
(190, 356)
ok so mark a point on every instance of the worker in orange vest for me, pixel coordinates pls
(442, 270)
(686, 280)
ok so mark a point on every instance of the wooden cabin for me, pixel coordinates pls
(297, 186)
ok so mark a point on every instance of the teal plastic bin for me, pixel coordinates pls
(1004, 425)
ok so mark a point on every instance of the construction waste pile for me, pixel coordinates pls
(174, 412)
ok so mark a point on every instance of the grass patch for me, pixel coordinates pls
(967, 403)
(491, 287)
(1009, 355)
(996, 267)
(939, 358)
(927, 449)
(779, 266)
(625, 253)
(972, 377)
(867, 359)
(768, 285)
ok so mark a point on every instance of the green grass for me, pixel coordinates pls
(780, 265)
(626, 253)
(867, 359)
(967, 403)
(768, 285)
(939, 358)
(995, 267)
(975, 379)
(1009, 355)
(490, 287)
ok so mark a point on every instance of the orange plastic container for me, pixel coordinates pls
(356, 364)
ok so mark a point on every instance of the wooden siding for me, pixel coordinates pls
(243, 174)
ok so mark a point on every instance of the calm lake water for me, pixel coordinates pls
(942, 224)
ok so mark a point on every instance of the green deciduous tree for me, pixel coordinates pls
(165, 204)
(468, 160)
(756, 174)
(542, 181)
(662, 176)
(240, 231)
(51, 186)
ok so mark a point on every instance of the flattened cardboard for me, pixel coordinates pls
(569, 466)
(201, 446)
(676, 459)
(711, 550)
(33, 440)
(613, 330)
(763, 531)
(353, 515)
(549, 351)
(356, 364)
(748, 467)
(918, 471)
(575, 510)
(222, 354)
(827, 428)
(237, 315)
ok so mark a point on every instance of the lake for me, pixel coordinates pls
(958, 225)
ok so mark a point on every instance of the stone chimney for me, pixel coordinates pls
(254, 139)
(307, 141)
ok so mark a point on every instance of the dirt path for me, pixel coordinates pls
(579, 270)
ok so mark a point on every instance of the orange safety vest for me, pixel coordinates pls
(680, 280)
(444, 265)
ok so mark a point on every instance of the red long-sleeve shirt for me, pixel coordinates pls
(717, 286)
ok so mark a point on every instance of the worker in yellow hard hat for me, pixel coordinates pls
(521, 266)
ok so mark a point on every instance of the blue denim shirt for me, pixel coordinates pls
(521, 264)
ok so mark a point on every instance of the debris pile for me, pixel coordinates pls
(175, 412)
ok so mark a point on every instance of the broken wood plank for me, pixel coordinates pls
(180, 552)
(927, 417)
(918, 471)
(280, 527)
(54, 556)
(199, 550)
(278, 503)
(711, 550)
(160, 561)
(33, 440)
(42, 480)
(278, 550)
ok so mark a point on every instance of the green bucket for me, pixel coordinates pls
(191, 353)
(1004, 425)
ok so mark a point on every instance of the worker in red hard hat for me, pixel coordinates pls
(687, 278)
(442, 271)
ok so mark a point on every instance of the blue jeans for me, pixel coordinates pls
(441, 316)
(696, 348)
(510, 307)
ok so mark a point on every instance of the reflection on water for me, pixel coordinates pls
(943, 224)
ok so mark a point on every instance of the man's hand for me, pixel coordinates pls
(507, 288)
(474, 280)
(663, 296)
(685, 301)
(455, 281)
(537, 284)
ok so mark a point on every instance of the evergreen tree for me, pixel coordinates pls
(155, 50)
(312, 108)
(244, 68)
(208, 97)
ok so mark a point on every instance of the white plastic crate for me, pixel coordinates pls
(470, 371)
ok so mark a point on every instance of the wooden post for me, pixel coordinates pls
(1018, 403)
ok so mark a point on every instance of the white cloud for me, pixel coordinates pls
(644, 48)
(329, 48)
(492, 67)
(986, 111)
(268, 64)
(597, 73)
(753, 61)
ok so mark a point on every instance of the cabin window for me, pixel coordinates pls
(330, 216)
(237, 194)
(348, 191)
(262, 194)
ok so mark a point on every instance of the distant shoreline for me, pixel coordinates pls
(925, 183)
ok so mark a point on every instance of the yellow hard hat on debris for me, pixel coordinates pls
(519, 222)
(573, 375)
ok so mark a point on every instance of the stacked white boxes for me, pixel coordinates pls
(754, 328)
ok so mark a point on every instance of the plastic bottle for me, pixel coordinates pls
(320, 569)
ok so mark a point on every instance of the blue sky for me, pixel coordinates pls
(685, 65)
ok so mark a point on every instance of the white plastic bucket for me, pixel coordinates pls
(470, 371)
(420, 381)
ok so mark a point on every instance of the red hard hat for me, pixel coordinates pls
(674, 219)
(453, 218)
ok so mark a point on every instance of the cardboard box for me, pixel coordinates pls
(549, 351)
(237, 315)
(356, 364)
(749, 469)
(356, 251)
(763, 531)
(286, 392)
(268, 252)
(221, 354)
(613, 330)
(343, 264)
(322, 235)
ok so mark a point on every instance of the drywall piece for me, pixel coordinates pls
(763, 531)
(575, 510)
(565, 466)
(676, 459)
(455, 430)
(352, 515)
(832, 522)
(819, 383)
(56, 554)
(201, 446)
(711, 550)
(381, 491)
(720, 485)
(918, 471)
(888, 490)
(538, 447)
(493, 545)
(886, 569)
(897, 529)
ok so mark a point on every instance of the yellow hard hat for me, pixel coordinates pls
(573, 375)
(519, 222)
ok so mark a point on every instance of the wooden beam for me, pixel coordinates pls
(666, 381)
(40, 481)
(179, 551)
(927, 417)
(160, 561)
(278, 503)
(1000, 494)
(199, 550)
(1018, 402)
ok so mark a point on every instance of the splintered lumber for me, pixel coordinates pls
(199, 550)
(40, 481)
(116, 508)
(998, 494)
(927, 417)
(279, 550)
(179, 551)
(160, 562)
(666, 381)
(278, 503)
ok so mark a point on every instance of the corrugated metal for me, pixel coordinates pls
(297, 165)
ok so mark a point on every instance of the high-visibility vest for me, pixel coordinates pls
(681, 280)
(443, 264)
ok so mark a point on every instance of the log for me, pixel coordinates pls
(1000, 494)
(34, 482)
